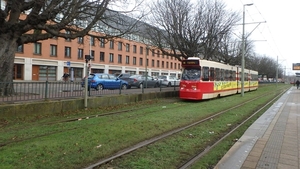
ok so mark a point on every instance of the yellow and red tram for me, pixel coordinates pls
(203, 79)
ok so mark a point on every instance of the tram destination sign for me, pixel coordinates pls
(190, 63)
(296, 66)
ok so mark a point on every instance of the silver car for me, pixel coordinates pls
(139, 81)
(166, 80)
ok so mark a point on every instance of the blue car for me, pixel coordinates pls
(100, 81)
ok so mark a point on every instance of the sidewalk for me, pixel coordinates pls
(273, 141)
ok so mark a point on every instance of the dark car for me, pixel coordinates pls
(126, 77)
(140, 80)
(100, 81)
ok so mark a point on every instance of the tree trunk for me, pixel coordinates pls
(7, 55)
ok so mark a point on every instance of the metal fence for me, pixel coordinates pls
(29, 91)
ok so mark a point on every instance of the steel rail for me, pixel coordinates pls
(199, 155)
(160, 137)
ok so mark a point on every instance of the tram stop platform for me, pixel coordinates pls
(272, 141)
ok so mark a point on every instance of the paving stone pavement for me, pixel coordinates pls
(272, 141)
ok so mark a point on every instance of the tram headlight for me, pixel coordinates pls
(182, 86)
(194, 87)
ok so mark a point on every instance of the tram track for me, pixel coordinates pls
(178, 130)
(188, 163)
(115, 125)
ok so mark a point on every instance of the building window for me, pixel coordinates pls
(67, 52)
(20, 49)
(175, 65)
(53, 50)
(153, 52)
(18, 71)
(111, 44)
(101, 56)
(158, 53)
(102, 42)
(37, 48)
(141, 61)
(80, 40)
(119, 58)
(171, 65)
(147, 51)
(68, 33)
(162, 64)
(92, 40)
(134, 48)
(80, 53)
(78, 73)
(152, 64)
(92, 53)
(167, 64)
(134, 61)
(111, 57)
(127, 47)
(157, 63)
(127, 59)
(141, 50)
(47, 73)
(120, 44)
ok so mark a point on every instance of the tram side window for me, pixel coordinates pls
(230, 78)
(246, 77)
(217, 74)
(222, 75)
(227, 75)
(205, 73)
(233, 75)
(212, 74)
(254, 77)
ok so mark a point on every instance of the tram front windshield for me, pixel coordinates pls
(192, 74)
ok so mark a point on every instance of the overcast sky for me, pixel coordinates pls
(279, 35)
(275, 27)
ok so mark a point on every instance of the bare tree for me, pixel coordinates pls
(228, 50)
(267, 66)
(253, 61)
(29, 21)
(182, 29)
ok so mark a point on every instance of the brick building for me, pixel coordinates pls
(49, 59)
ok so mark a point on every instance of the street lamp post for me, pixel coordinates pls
(243, 51)
(87, 59)
(277, 73)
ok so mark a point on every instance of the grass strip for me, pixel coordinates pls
(79, 143)
(173, 151)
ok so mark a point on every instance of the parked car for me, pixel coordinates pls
(100, 81)
(168, 81)
(126, 77)
(140, 80)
